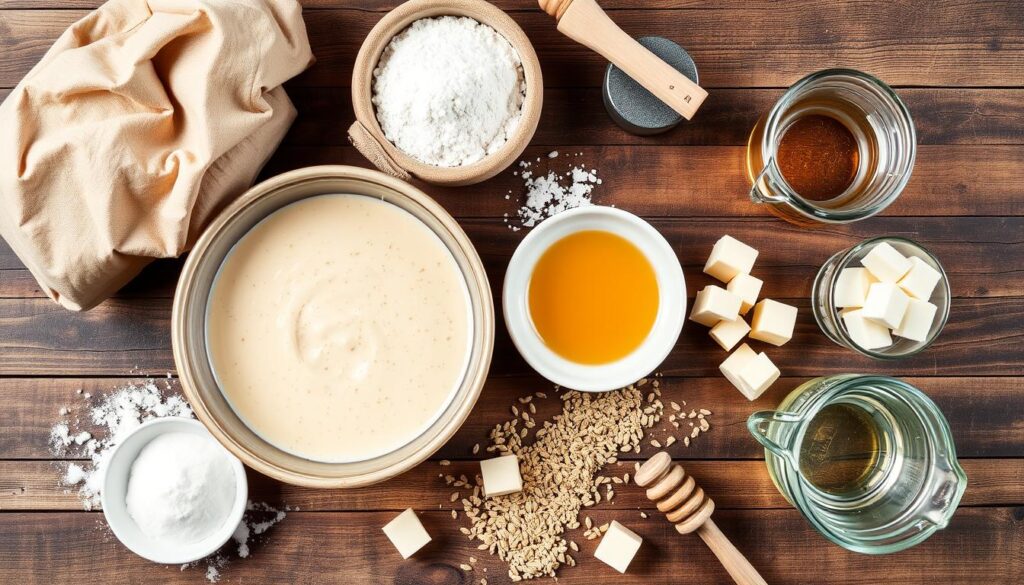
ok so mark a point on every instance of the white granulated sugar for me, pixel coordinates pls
(181, 488)
(117, 414)
(552, 193)
(449, 90)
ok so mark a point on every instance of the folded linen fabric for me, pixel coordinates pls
(140, 123)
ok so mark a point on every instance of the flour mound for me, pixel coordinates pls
(449, 91)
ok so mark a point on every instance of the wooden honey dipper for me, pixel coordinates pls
(587, 23)
(686, 505)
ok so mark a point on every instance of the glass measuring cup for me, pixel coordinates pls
(880, 124)
(907, 486)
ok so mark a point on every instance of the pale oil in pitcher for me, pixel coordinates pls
(840, 452)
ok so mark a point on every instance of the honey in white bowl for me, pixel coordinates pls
(593, 297)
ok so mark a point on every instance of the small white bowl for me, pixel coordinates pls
(667, 324)
(115, 488)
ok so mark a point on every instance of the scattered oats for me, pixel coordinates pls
(643, 514)
(696, 431)
(476, 448)
(472, 560)
(686, 441)
(693, 414)
(455, 496)
(533, 408)
(675, 406)
(455, 515)
(560, 471)
(465, 567)
(670, 440)
(705, 411)
(655, 443)
(445, 463)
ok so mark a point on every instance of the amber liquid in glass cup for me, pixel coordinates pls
(838, 147)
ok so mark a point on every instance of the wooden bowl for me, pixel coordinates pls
(366, 133)
(188, 325)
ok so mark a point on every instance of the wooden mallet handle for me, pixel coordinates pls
(586, 23)
(686, 505)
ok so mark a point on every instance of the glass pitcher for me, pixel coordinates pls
(868, 460)
(880, 124)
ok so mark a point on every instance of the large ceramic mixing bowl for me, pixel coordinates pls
(189, 326)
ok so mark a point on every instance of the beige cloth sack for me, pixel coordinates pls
(141, 122)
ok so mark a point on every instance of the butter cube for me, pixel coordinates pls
(886, 263)
(728, 333)
(730, 257)
(750, 372)
(747, 288)
(501, 476)
(866, 333)
(920, 281)
(917, 321)
(886, 304)
(714, 304)
(406, 533)
(773, 322)
(852, 286)
(618, 546)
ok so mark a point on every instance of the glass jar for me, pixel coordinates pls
(880, 124)
(828, 316)
(902, 490)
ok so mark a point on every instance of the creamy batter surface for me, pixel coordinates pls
(338, 327)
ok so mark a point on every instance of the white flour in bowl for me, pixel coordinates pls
(448, 91)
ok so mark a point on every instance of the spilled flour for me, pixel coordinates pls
(118, 413)
(112, 418)
(551, 193)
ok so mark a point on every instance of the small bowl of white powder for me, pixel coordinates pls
(448, 92)
(172, 494)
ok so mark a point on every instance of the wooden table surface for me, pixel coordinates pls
(959, 64)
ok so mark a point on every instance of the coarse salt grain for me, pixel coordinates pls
(552, 193)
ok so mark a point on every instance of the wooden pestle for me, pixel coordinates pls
(686, 505)
(586, 23)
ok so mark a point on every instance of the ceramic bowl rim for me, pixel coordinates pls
(671, 307)
(115, 510)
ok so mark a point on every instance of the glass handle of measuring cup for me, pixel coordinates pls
(769, 186)
(759, 423)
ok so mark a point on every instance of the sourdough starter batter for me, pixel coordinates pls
(338, 327)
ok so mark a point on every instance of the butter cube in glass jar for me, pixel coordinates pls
(830, 284)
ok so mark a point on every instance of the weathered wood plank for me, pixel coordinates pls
(983, 337)
(941, 116)
(986, 414)
(954, 43)
(779, 543)
(35, 486)
(710, 181)
(983, 257)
